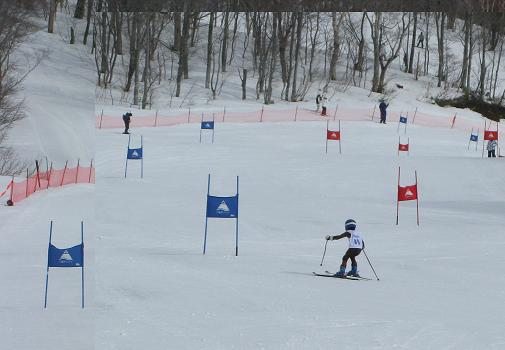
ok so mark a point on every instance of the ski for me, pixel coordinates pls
(343, 277)
(352, 277)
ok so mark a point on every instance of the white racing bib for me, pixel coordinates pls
(355, 241)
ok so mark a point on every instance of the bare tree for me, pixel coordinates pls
(440, 24)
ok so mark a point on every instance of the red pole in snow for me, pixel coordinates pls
(90, 169)
(156, 118)
(224, 112)
(64, 171)
(296, 111)
(453, 120)
(327, 122)
(417, 200)
(101, 117)
(261, 116)
(49, 176)
(26, 191)
(397, 202)
(189, 112)
(414, 118)
(77, 172)
(12, 189)
(339, 138)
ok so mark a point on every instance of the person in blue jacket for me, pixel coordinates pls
(382, 107)
(126, 121)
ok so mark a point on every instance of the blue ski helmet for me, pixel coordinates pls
(350, 224)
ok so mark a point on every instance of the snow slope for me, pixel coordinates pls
(154, 289)
(58, 96)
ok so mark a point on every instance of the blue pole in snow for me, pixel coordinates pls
(236, 225)
(126, 166)
(213, 126)
(82, 267)
(142, 159)
(201, 128)
(47, 270)
(206, 217)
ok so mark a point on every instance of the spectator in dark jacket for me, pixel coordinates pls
(382, 107)
(126, 120)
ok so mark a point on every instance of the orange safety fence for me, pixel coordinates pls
(266, 114)
(50, 178)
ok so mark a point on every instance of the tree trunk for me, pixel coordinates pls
(79, 9)
(412, 49)
(88, 22)
(297, 53)
(184, 43)
(336, 46)
(177, 31)
(440, 23)
(376, 52)
(464, 65)
(273, 55)
(52, 16)
(482, 79)
(224, 53)
(147, 64)
(244, 83)
(209, 49)
(133, 48)
(291, 47)
(136, 60)
(103, 49)
(361, 46)
(118, 26)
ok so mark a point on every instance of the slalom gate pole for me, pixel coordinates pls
(414, 118)
(206, 216)
(324, 253)
(82, 267)
(236, 226)
(417, 200)
(142, 159)
(327, 122)
(371, 265)
(339, 138)
(47, 270)
(469, 141)
(397, 202)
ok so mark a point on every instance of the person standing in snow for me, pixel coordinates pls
(420, 40)
(491, 148)
(356, 245)
(126, 120)
(382, 107)
(318, 100)
(324, 102)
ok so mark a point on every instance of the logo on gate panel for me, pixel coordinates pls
(403, 120)
(135, 153)
(223, 209)
(474, 138)
(207, 125)
(65, 257)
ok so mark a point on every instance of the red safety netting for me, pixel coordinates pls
(269, 114)
(18, 191)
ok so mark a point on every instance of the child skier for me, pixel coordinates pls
(356, 245)
(324, 102)
(318, 100)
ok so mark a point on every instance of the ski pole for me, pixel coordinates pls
(321, 264)
(370, 265)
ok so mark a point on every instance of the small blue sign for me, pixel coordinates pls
(208, 125)
(134, 153)
(68, 257)
(222, 207)
(403, 120)
(474, 138)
